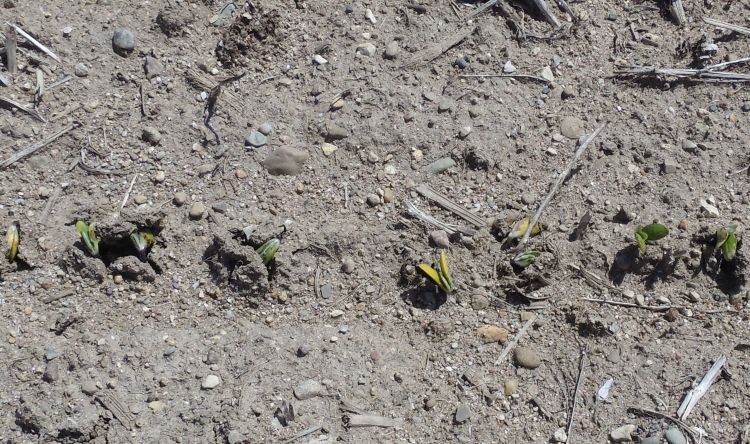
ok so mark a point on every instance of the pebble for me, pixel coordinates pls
(123, 41)
(348, 265)
(234, 437)
(335, 314)
(81, 70)
(328, 148)
(623, 433)
(255, 139)
(442, 165)
(389, 195)
(151, 135)
(308, 389)
(210, 382)
(572, 127)
(152, 67)
(479, 301)
(319, 59)
(493, 333)
(343, 329)
(285, 162)
(510, 386)
(67, 31)
(461, 63)
(44, 192)
(673, 435)
(709, 209)
(220, 207)
(160, 177)
(370, 16)
(569, 92)
(439, 239)
(197, 210)
(464, 132)
(367, 49)
(653, 439)
(266, 128)
(89, 387)
(240, 174)
(560, 435)
(746, 107)
(547, 75)
(303, 350)
(509, 68)
(445, 105)
(463, 413)
(689, 146)
(179, 198)
(373, 200)
(140, 199)
(51, 372)
(391, 50)
(527, 358)
(335, 132)
(669, 166)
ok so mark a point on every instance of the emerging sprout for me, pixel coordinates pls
(442, 277)
(268, 250)
(652, 232)
(13, 238)
(88, 236)
(520, 227)
(142, 241)
(726, 240)
(526, 258)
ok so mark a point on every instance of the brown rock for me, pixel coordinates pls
(527, 358)
(493, 333)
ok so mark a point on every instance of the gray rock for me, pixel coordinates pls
(151, 135)
(669, 166)
(569, 92)
(234, 437)
(689, 146)
(255, 139)
(140, 199)
(335, 132)
(439, 239)
(51, 354)
(326, 291)
(81, 70)
(303, 350)
(391, 50)
(508, 68)
(52, 371)
(348, 265)
(179, 198)
(132, 269)
(152, 67)
(89, 387)
(373, 200)
(123, 41)
(366, 49)
(464, 132)
(653, 439)
(319, 59)
(623, 433)
(441, 165)
(673, 435)
(197, 210)
(746, 107)
(308, 389)
(572, 127)
(445, 105)
(266, 128)
(220, 207)
(527, 358)
(285, 162)
(479, 301)
(463, 413)
(210, 382)
(547, 75)
(709, 209)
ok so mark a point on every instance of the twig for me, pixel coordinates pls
(143, 101)
(657, 308)
(685, 428)
(36, 147)
(10, 51)
(32, 112)
(541, 5)
(565, 7)
(426, 218)
(483, 7)
(354, 421)
(57, 296)
(581, 366)
(560, 179)
(695, 395)
(59, 82)
(34, 42)
(125, 198)
(4, 80)
(303, 433)
(726, 25)
(707, 74)
(39, 92)
(434, 51)
(508, 348)
(509, 76)
(48, 207)
(427, 192)
(678, 12)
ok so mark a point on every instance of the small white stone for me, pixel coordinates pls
(319, 59)
(370, 16)
(211, 381)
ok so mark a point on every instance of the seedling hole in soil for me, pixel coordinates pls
(111, 249)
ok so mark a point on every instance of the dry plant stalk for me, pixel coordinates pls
(10, 51)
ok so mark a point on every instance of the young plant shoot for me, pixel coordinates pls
(726, 240)
(652, 232)
(13, 238)
(441, 277)
(142, 241)
(268, 250)
(526, 258)
(88, 237)
(520, 227)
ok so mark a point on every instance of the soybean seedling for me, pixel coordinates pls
(13, 238)
(526, 258)
(520, 227)
(442, 276)
(142, 241)
(268, 250)
(88, 236)
(726, 240)
(652, 232)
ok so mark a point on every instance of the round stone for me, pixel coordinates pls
(179, 198)
(266, 128)
(197, 210)
(255, 139)
(123, 40)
